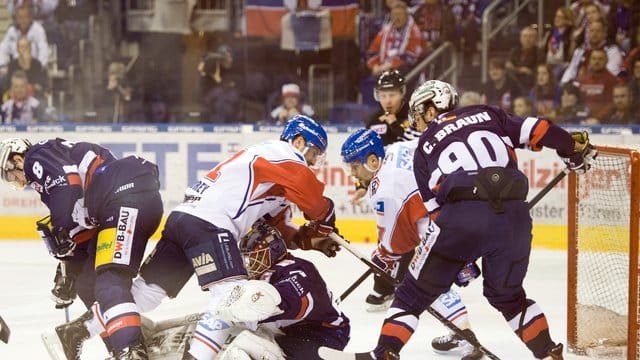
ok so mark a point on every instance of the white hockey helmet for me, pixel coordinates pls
(439, 93)
(9, 148)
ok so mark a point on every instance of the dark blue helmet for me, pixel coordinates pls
(310, 130)
(360, 145)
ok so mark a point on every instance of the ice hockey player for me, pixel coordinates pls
(102, 212)
(466, 168)
(391, 122)
(393, 196)
(298, 304)
(201, 235)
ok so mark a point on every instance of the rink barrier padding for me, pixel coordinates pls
(544, 236)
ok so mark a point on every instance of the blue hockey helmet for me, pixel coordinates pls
(360, 145)
(308, 128)
(262, 248)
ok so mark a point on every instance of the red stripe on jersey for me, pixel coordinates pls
(300, 184)
(92, 168)
(304, 305)
(405, 233)
(534, 329)
(123, 322)
(74, 179)
(84, 235)
(397, 331)
(538, 133)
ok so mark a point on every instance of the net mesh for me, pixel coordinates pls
(602, 241)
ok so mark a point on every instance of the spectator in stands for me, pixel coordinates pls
(544, 94)
(219, 90)
(634, 83)
(36, 73)
(596, 41)
(436, 22)
(623, 111)
(398, 44)
(572, 109)
(523, 58)
(41, 9)
(633, 54)
(592, 12)
(291, 106)
(501, 89)
(118, 94)
(33, 30)
(557, 42)
(468, 14)
(21, 107)
(624, 16)
(522, 107)
(470, 98)
(596, 85)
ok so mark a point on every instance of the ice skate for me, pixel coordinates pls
(73, 334)
(378, 302)
(455, 344)
(135, 352)
(555, 353)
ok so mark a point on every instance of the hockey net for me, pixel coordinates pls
(603, 256)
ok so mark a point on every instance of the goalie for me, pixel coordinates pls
(284, 293)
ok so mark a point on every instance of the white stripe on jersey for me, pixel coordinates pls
(525, 130)
(85, 163)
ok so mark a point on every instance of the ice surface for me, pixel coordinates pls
(27, 277)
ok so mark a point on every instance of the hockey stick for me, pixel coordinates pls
(355, 284)
(4, 331)
(548, 187)
(63, 273)
(533, 202)
(391, 280)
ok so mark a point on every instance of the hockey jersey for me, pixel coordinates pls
(467, 139)
(305, 297)
(259, 180)
(60, 171)
(394, 197)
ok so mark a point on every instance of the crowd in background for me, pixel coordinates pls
(583, 67)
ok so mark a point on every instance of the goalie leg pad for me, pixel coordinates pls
(251, 301)
(255, 346)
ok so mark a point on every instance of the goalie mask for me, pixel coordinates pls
(8, 149)
(442, 95)
(262, 248)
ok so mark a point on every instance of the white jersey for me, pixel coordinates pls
(259, 180)
(393, 195)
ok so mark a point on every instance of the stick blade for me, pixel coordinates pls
(54, 347)
(333, 354)
(5, 332)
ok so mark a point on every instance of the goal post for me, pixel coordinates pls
(603, 235)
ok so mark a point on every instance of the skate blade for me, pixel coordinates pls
(379, 308)
(53, 345)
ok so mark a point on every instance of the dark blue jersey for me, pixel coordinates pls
(305, 297)
(60, 171)
(470, 138)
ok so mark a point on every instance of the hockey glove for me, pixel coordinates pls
(583, 153)
(311, 236)
(386, 261)
(57, 240)
(469, 272)
(64, 290)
